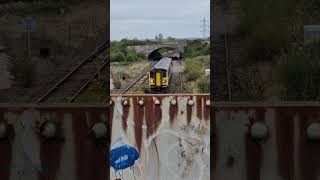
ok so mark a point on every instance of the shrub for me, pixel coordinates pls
(203, 84)
(117, 57)
(196, 48)
(191, 70)
(24, 70)
(298, 73)
(131, 56)
(194, 67)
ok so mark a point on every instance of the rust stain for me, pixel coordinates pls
(309, 156)
(189, 113)
(109, 123)
(284, 129)
(213, 142)
(90, 154)
(153, 115)
(138, 116)
(199, 106)
(6, 150)
(50, 152)
(125, 114)
(173, 111)
(97, 150)
(206, 112)
(254, 149)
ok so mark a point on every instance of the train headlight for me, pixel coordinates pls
(164, 81)
(151, 81)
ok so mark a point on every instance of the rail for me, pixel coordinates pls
(92, 56)
(141, 77)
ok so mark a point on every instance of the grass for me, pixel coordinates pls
(194, 73)
(71, 30)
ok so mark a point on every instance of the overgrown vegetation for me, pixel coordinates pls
(97, 92)
(195, 72)
(196, 48)
(23, 69)
(298, 73)
(69, 30)
(263, 30)
(120, 53)
(272, 31)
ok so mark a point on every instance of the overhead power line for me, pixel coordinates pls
(204, 27)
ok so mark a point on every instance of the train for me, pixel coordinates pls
(160, 75)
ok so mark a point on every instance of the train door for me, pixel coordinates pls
(158, 78)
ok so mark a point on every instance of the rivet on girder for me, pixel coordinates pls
(49, 130)
(3, 130)
(313, 131)
(99, 130)
(173, 102)
(125, 102)
(157, 102)
(141, 103)
(259, 131)
(190, 102)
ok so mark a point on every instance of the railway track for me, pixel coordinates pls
(78, 79)
(221, 69)
(134, 85)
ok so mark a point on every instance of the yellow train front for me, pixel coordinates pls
(159, 75)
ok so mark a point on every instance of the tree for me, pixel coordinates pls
(156, 38)
(169, 38)
(160, 37)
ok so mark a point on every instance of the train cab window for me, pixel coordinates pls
(152, 74)
(164, 74)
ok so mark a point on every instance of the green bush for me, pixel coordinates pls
(264, 29)
(24, 70)
(194, 67)
(131, 56)
(203, 84)
(298, 73)
(117, 57)
(196, 48)
(191, 70)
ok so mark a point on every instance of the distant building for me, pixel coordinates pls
(311, 33)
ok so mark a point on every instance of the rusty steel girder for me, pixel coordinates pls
(53, 142)
(278, 141)
(248, 141)
(70, 141)
(171, 133)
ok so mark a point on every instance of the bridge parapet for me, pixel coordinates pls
(59, 141)
(147, 49)
(256, 140)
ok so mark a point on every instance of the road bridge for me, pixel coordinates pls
(152, 51)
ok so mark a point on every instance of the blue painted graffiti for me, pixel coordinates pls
(123, 157)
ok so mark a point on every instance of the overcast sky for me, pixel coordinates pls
(144, 19)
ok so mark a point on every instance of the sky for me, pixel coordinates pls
(144, 19)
